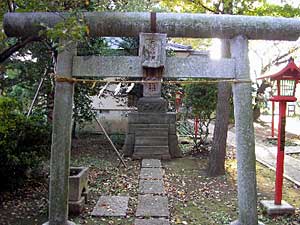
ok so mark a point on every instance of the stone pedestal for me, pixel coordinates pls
(78, 189)
(275, 210)
(152, 131)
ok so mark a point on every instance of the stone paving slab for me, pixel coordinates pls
(152, 206)
(268, 157)
(152, 222)
(151, 173)
(111, 206)
(151, 187)
(288, 149)
(151, 163)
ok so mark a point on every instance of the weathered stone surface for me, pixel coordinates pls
(151, 163)
(129, 144)
(151, 152)
(130, 24)
(151, 118)
(174, 149)
(245, 146)
(151, 173)
(152, 206)
(152, 49)
(61, 140)
(160, 132)
(76, 207)
(272, 209)
(152, 105)
(111, 206)
(152, 221)
(130, 66)
(67, 223)
(151, 141)
(78, 182)
(151, 187)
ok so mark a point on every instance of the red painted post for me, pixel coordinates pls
(280, 152)
(273, 108)
(196, 126)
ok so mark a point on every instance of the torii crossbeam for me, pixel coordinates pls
(239, 29)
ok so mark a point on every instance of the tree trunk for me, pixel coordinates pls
(216, 164)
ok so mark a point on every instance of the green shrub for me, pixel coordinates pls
(24, 142)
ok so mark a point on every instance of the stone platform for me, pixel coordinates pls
(152, 135)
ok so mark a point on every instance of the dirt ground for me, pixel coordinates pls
(194, 198)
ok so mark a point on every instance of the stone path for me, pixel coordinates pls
(267, 156)
(152, 208)
(111, 206)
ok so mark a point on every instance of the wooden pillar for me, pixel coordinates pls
(61, 140)
(245, 145)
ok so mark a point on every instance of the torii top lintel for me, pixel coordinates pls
(129, 24)
(290, 72)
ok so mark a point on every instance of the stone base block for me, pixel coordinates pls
(236, 222)
(273, 210)
(111, 206)
(152, 221)
(68, 223)
(76, 207)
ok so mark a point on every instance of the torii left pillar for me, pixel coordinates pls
(61, 140)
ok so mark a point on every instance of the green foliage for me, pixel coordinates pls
(201, 102)
(202, 99)
(23, 142)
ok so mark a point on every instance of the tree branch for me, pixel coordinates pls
(10, 6)
(205, 7)
(16, 47)
(278, 60)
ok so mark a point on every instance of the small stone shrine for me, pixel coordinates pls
(152, 130)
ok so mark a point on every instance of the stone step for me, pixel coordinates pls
(151, 141)
(151, 125)
(151, 163)
(151, 149)
(159, 132)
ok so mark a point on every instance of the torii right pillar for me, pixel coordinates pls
(245, 144)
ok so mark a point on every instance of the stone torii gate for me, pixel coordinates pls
(239, 29)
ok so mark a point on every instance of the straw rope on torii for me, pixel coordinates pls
(239, 29)
(59, 78)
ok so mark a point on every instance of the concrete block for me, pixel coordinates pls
(172, 129)
(174, 149)
(152, 221)
(78, 182)
(111, 206)
(128, 145)
(151, 141)
(151, 174)
(152, 105)
(151, 152)
(152, 206)
(150, 131)
(151, 163)
(151, 187)
(272, 209)
(76, 207)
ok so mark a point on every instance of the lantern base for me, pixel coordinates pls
(272, 210)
